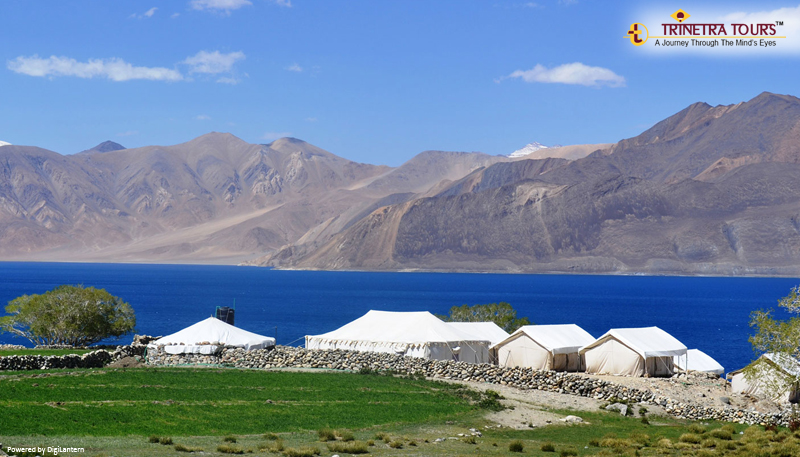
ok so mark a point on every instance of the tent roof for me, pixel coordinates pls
(699, 361)
(482, 330)
(214, 330)
(558, 339)
(785, 362)
(398, 327)
(646, 341)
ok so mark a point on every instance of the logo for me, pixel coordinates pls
(702, 34)
(680, 15)
(637, 29)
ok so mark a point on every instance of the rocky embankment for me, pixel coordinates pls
(520, 378)
(94, 359)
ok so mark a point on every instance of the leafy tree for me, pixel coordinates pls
(502, 314)
(780, 339)
(69, 315)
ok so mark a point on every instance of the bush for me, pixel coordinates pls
(165, 440)
(692, 438)
(271, 436)
(516, 446)
(469, 439)
(396, 444)
(301, 452)
(370, 443)
(229, 439)
(383, 437)
(228, 449)
(153, 439)
(345, 435)
(568, 452)
(546, 447)
(720, 434)
(349, 447)
(698, 429)
(664, 443)
(182, 448)
(326, 434)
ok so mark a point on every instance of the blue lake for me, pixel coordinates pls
(710, 314)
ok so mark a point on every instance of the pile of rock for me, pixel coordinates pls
(11, 347)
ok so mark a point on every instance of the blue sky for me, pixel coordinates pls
(372, 81)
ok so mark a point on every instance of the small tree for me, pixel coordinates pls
(781, 339)
(502, 314)
(68, 315)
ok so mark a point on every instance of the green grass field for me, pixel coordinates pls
(169, 411)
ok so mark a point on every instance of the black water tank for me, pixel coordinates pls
(225, 314)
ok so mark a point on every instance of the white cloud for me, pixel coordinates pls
(228, 80)
(272, 136)
(571, 73)
(128, 133)
(175, 15)
(567, 2)
(114, 69)
(203, 117)
(148, 13)
(790, 29)
(294, 67)
(213, 62)
(222, 6)
(285, 3)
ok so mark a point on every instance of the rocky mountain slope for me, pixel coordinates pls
(710, 190)
(213, 199)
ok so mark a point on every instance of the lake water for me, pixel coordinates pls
(710, 314)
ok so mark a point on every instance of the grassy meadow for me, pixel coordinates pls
(179, 411)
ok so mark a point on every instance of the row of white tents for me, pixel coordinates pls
(633, 351)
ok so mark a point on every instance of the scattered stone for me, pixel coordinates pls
(572, 420)
(620, 407)
(725, 400)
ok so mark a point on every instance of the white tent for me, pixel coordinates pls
(206, 336)
(543, 347)
(771, 377)
(698, 361)
(483, 330)
(415, 334)
(645, 351)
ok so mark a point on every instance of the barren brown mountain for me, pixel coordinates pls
(213, 199)
(710, 190)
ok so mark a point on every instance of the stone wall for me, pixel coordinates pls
(521, 378)
(94, 359)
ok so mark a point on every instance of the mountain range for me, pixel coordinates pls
(708, 190)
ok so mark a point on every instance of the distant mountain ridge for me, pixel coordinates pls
(105, 146)
(708, 190)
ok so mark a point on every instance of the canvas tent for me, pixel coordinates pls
(483, 330)
(770, 381)
(206, 336)
(543, 347)
(415, 334)
(647, 351)
(698, 360)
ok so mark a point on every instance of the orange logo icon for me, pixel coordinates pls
(680, 15)
(636, 32)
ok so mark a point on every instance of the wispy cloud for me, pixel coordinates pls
(128, 133)
(567, 2)
(213, 62)
(148, 13)
(203, 117)
(219, 6)
(228, 80)
(294, 67)
(284, 3)
(311, 119)
(114, 69)
(272, 136)
(175, 15)
(571, 73)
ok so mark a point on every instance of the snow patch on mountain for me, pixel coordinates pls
(528, 149)
(3, 143)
